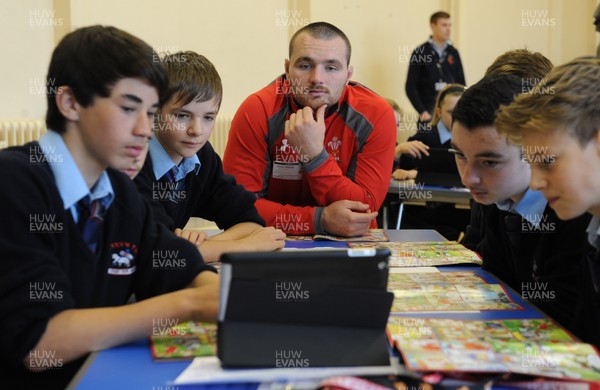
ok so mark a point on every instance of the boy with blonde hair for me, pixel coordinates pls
(519, 237)
(558, 125)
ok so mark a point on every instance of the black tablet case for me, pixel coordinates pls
(342, 323)
(438, 169)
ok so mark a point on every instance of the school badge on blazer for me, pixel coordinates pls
(122, 257)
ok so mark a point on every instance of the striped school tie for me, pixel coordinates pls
(90, 221)
(170, 177)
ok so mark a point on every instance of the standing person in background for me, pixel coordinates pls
(433, 65)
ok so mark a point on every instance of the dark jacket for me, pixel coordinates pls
(47, 267)
(423, 73)
(212, 195)
(543, 265)
(586, 324)
(430, 137)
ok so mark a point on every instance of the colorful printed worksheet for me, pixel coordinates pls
(526, 346)
(428, 290)
(183, 341)
(425, 254)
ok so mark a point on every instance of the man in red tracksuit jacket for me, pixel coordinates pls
(315, 147)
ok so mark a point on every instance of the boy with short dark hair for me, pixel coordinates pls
(183, 176)
(77, 239)
(512, 227)
(558, 124)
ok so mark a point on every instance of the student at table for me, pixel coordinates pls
(517, 234)
(443, 217)
(183, 175)
(437, 133)
(558, 124)
(316, 148)
(195, 237)
(414, 148)
(77, 240)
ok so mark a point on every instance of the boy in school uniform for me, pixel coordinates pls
(195, 237)
(558, 124)
(512, 227)
(183, 176)
(77, 240)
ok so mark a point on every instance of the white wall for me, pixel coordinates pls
(383, 33)
(240, 37)
(26, 43)
(247, 40)
(559, 29)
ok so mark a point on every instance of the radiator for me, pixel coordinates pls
(218, 138)
(19, 132)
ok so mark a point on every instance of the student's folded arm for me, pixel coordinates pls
(72, 333)
(237, 231)
(166, 263)
(368, 176)
(37, 303)
(559, 261)
(261, 239)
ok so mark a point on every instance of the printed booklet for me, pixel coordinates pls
(183, 341)
(536, 347)
(428, 290)
(425, 254)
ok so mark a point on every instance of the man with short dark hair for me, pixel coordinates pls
(315, 147)
(433, 65)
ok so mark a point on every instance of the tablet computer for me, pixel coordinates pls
(438, 169)
(320, 304)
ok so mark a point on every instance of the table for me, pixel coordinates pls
(411, 193)
(130, 366)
